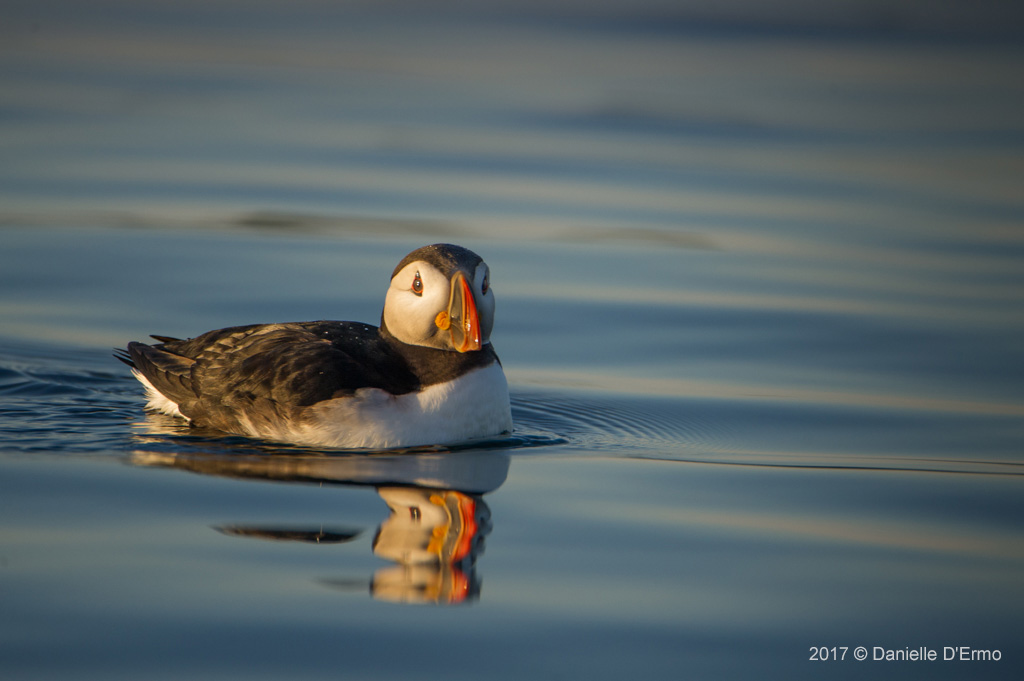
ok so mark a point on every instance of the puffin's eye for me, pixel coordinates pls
(417, 285)
(486, 285)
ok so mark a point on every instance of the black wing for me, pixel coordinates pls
(270, 370)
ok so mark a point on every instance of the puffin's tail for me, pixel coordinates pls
(122, 355)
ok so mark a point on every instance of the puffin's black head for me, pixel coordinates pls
(440, 297)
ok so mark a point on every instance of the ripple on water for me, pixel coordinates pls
(81, 402)
(755, 433)
(62, 400)
(609, 423)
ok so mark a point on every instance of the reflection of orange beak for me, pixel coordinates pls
(467, 512)
(453, 541)
(462, 320)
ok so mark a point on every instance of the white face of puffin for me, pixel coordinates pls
(424, 307)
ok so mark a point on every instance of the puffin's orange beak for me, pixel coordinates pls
(461, 319)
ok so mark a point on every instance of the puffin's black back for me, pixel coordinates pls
(270, 369)
(275, 370)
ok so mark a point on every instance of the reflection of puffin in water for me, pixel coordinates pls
(435, 536)
(427, 376)
(437, 524)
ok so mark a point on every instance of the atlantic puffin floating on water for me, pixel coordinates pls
(428, 375)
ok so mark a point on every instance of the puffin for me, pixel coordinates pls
(428, 375)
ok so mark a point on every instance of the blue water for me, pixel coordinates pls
(760, 281)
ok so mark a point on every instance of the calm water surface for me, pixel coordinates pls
(760, 295)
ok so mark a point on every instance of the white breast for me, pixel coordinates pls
(475, 405)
